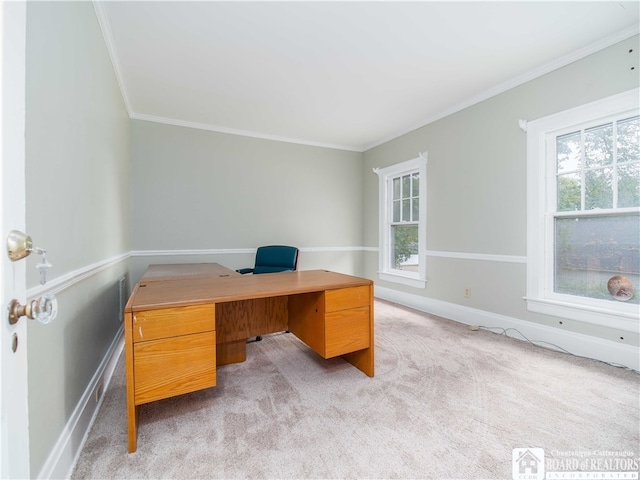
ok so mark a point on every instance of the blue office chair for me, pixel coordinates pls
(272, 259)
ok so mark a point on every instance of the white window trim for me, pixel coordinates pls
(411, 279)
(540, 296)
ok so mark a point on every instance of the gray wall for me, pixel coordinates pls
(77, 204)
(476, 187)
(200, 190)
(199, 196)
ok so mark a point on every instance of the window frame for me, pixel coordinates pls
(542, 211)
(385, 186)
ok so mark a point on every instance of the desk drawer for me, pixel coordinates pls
(171, 322)
(346, 331)
(173, 366)
(343, 298)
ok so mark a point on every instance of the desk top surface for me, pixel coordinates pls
(161, 273)
(162, 291)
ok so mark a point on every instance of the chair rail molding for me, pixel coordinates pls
(234, 251)
(69, 279)
(487, 257)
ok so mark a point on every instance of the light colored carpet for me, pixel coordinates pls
(446, 402)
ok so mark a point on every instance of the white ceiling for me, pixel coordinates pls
(348, 75)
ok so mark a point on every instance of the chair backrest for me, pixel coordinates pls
(276, 258)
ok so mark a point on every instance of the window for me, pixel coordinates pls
(583, 259)
(403, 222)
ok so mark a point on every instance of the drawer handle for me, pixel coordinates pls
(140, 331)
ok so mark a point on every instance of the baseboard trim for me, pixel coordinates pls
(576, 343)
(65, 453)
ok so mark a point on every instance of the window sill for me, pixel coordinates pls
(401, 279)
(627, 321)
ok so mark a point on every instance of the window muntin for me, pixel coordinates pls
(599, 167)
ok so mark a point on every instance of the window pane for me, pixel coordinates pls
(405, 247)
(629, 140)
(396, 188)
(598, 146)
(396, 211)
(406, 186)
(415, 205)
(629, 185)
(406, 210)
(415, 179)
(591, 250)
(598, 188)
(568, 152)
(569, 193)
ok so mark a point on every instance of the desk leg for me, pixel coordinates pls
(133, 427)
(132, 408)
(364, 360)
(231, 352)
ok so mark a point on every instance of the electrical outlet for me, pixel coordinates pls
(99, 392)
(467, 292)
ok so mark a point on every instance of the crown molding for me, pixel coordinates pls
(103, 21)
(514, 82)
(243, 133)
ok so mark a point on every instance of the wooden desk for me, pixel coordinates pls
(179, 328)
(158, 273)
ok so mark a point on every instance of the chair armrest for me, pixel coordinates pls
(244, 271)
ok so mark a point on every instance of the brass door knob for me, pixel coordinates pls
(44, 309)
